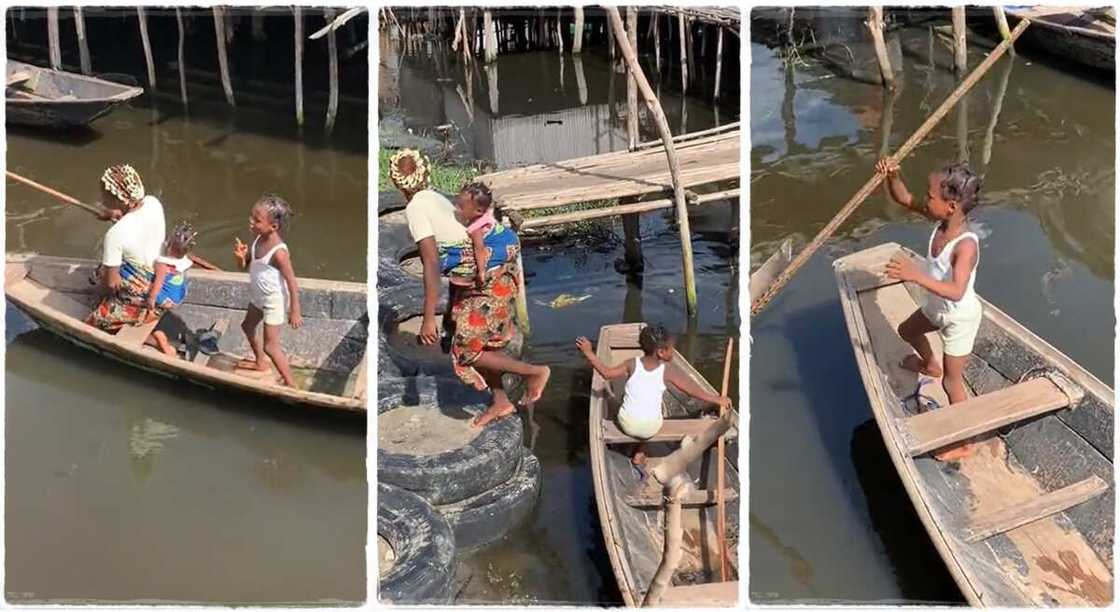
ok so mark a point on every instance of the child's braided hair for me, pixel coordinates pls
(182, 238)
(960, 184)
(277, 208)
(653, 337)
(480, 193)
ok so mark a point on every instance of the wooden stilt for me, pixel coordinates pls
(298, 16)
(522, 304)
(632, 255)
(670, 151)
(144, 40)
(960, 48)
(631, 87)
(1001, 24)
(989, 136)
(492, 86)
(656, 44)
(962, 129)
(182, 57)
(223, 61)
(581, 79)
(690, 46)
(684, 52)
(577, 34)
(332, 51)
(719, 61)
(83, 44)
(488, 54)
(52, 38)
(492, 34)
(559, 30)
(875, 26)
(256, 21)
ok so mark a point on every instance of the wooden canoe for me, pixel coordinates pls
(53, 98)
(1078, 34)
(770, 269)
(328, 353)
(632, 524)
(1026, 519)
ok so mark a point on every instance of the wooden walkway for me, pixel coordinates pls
(704, 158)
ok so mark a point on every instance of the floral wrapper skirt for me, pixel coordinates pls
(484, 318)
(127, 305)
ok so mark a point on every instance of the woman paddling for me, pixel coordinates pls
(482, 312)
(130, 250)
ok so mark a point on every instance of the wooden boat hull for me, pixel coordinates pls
(1068, 33)
(1003, 519)
(63, 99)
(328, 353)
(634, 535)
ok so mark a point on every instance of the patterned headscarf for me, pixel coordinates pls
(123, 182)
(414, 181)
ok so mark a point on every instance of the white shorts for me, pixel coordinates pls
(274, 306)
(637, 427)
(958, 328)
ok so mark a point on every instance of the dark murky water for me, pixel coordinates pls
(122, 485)
(557, 554)
(829, 520)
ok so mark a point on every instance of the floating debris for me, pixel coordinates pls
(566, 299)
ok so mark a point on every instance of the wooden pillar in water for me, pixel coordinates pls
(658, 114)
(960, 48)
(298, 16)
(182, 57)
(655, 17)
(1001, 25)
(83, 43)
(631, 85)
(52, 37)
(489, 53)
(875, 26)
(256, 21)
(560, 31)
(223, 61)
(332, 51)
(684, 52)
(691, 46)
(143, 20)
(577, 34)
(719, 61)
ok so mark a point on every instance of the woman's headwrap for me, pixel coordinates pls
(415, 180)
(123, 182)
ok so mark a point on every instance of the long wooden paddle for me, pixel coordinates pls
(721, 518)
(198, 261)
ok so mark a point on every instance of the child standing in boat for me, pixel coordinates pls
(274, 293)
(646, 379)
(169, 283)
(948, 273)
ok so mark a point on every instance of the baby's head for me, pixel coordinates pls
(656, 341)
(954, 189)
(473, 201)
(271, 213)
(181, 240)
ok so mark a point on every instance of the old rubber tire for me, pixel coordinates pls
(424, 548)
(487, 461)
(484, 519)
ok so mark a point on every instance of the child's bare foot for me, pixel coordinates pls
(962, 450)
(497, 411)
(914, 363)
(537, 383)
(252, 364)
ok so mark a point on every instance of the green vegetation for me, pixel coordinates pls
(445, 177)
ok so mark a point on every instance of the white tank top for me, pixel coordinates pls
(265, 279)
(644, 391)
(941, 268)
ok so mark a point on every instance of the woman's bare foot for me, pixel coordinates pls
(497, 411)
(537, 383)
(914, 363)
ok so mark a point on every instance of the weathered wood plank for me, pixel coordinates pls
(712, 594)
(1016, 515)
(671, 430)
(695, 497)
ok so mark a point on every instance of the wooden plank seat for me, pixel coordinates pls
(936, 429)
(671, 430)
(986, 525)
(711, 594)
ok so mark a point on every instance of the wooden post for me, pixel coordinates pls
(631, 87)
(256, 22)
(146, 42)
(581, 79)
(875, 25)
(332, 51)
(1001, 24)
(670, 152)
(690, 46)
(492, 33)
(182, 57)
(684, 52)
(656, 43)
(719, 61)
(223, 61)
(488, 54)
(989, 136)
(52, 38)
(83, 44)
(721, 518)
(577, 34)
(962, 129)
(560, 30)
(522, 304)
(960, 48)
(671, 552)
(298, 16)
(633, 261)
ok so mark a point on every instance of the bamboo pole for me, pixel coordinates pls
(223, 61)
(873, 182)
(960, 46)
(721, 517)
(147, 44)
(577, 34)
(631, 87)
(875, 26)
(298, 16)
(182, 57)
(1001, 24)
(684, 52)
(670, 152)
(332, 51)
(83, 43)
(52, 38)
(719, 61)
(989, 136)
